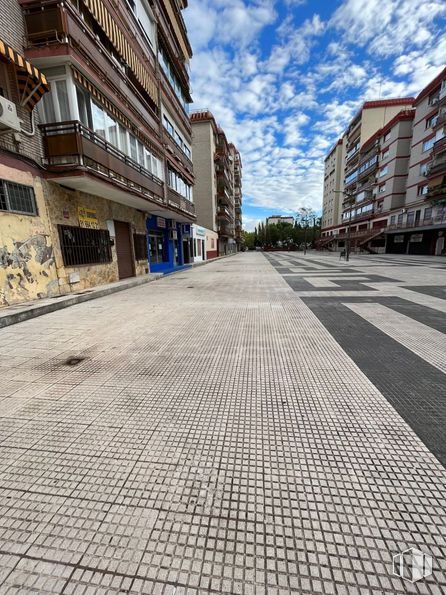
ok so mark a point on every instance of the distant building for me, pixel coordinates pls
(275, 219)
(218, 190)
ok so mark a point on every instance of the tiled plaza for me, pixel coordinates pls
(264, 424)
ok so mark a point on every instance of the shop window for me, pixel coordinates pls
(156, 247)
(140, 244)
(84, 246)
(17, 198)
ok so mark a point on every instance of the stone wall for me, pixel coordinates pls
(63, 205)
(27, 267)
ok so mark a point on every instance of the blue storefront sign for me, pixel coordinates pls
(165, 244)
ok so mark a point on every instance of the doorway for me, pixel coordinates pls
(124, 250)
(186, 253)
(439, 246)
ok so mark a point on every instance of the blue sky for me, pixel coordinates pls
(284, 77)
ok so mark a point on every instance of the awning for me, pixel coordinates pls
(31, 82)
(123, 47)
(437, 181)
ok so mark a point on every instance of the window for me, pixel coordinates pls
(382, 188)
(84, 246)
(55, 104)
(385, 155)
(433, 97)
(146, 22)
(140, 244)
(422, 190)
(428, 213)
(176, 136)
(410, 218)
(172, 78)
(98, 119)
(386, 136)
(430, 122)
(383, 171)
(423, 169)
(392, 220)
(156, 247)
(133, 147)
(177, 183)
(84, 107)
(428, 144)
(17, 198)
(112, 130)
(400, 218)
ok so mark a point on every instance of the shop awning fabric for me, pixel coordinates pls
(31, 82)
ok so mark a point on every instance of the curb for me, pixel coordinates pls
(37, 309)
(71, 300)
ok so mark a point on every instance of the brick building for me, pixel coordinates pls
(96, 180)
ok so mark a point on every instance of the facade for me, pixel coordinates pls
(275, 219)
(218, 188)
(96, 181)
(395, 180)
(204, 243)
(333, 185)
(420, 226)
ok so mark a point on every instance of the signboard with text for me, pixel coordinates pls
(88, 218)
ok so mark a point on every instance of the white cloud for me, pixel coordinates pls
(284, 105)
(386, 27)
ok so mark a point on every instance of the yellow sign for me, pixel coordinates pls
(88, 218)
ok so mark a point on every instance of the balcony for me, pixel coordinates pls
(226, 230)
(81, 159)
(367, 167)
(175, 150)
(57, 32)
(224, 213)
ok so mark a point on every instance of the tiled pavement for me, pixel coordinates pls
(259, 425)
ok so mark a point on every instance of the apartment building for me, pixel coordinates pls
(396, 185)
(420, 226)
(333, 186)
(358, 163)
(96, 174)
(218, 188)
(275, 219)
(238, 198)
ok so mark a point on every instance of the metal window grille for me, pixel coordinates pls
(80, 245)
(17, 198)
(140, 244)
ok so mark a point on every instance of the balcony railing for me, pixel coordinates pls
(71, 144)
(224, 213)
(178, 152)
(226, 230)
(175, 199)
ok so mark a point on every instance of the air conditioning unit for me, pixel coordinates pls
(8, 115)
(173, 234)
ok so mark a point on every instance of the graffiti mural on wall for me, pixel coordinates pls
(28, 269)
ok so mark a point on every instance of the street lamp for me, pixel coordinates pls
(349, 201)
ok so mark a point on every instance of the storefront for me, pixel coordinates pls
(166, 240)
(199, 243)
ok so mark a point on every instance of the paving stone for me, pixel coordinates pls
(227, 439)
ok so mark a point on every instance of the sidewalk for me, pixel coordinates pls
(27, 310)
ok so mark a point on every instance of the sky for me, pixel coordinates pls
(284, 77)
